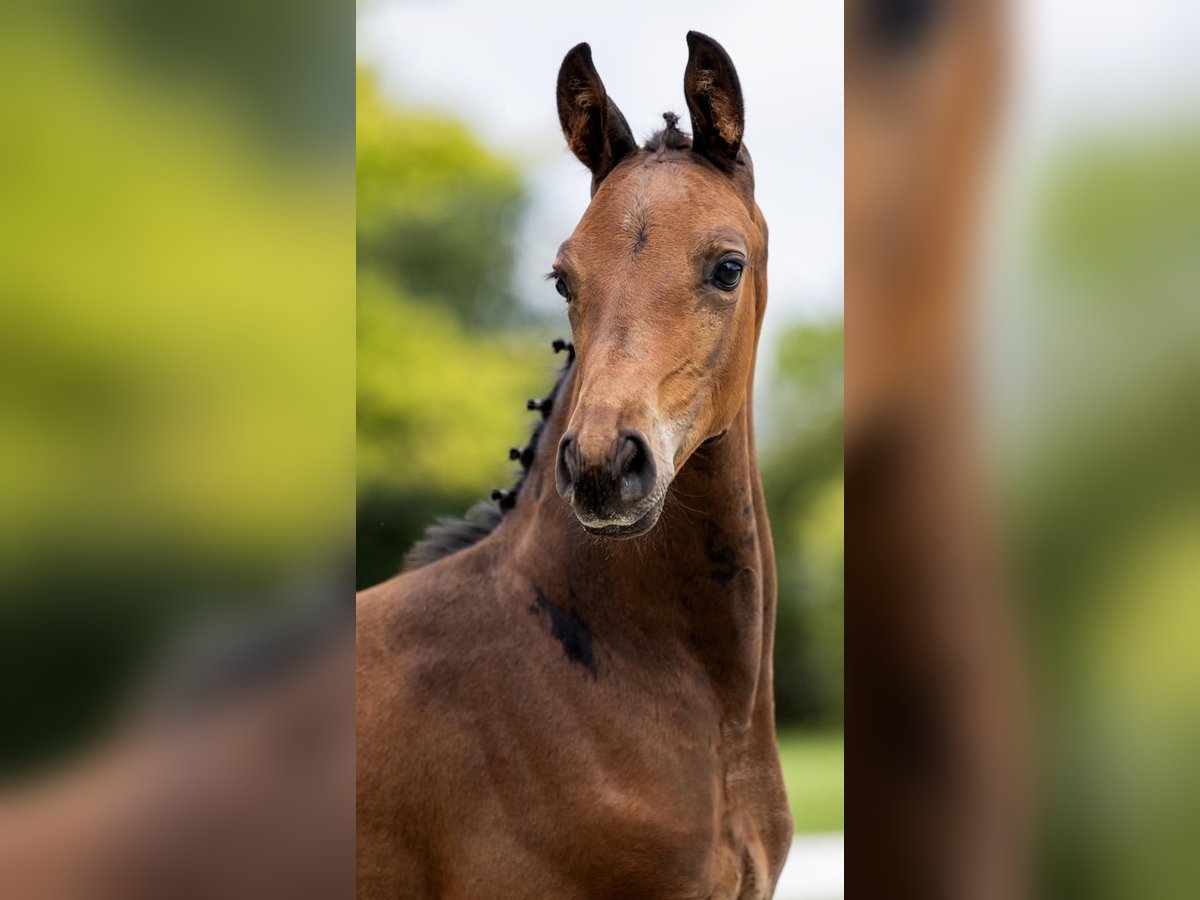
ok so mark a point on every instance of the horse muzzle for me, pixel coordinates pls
(613, 492)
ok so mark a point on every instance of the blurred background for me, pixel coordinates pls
(465, 190)
(175, 366)
(1089, 330)
(176, 445)
(1080, 322)
(176, 340)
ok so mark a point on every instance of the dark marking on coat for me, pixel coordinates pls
(725, 562)
(568, 629)
(639, 239)
(639, 227)
(727, 554)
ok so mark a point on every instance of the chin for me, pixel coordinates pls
(622, 531)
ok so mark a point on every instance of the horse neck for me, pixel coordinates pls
(700, 585)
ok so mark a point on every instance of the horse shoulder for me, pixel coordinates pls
(410, 745)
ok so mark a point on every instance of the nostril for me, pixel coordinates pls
(566, 469)
(635, 467)
(627, 455)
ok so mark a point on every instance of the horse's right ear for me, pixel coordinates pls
(595, 130)
(714, 98)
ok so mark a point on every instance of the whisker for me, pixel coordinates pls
(675, 490)
(674, 498)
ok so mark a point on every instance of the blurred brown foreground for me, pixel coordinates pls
(235, 781)
(933, 718)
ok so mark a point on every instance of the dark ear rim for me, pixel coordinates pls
(714, 100)
(595, 131)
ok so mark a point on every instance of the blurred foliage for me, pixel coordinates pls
(1104, 496)
(446, 357)
(166, 295)
(437, 212)
(802, 467)
(1120, 223)
(280, 65)
(814, 771)
(431, 432)
(174, 367)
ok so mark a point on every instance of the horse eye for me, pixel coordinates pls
(727, 274)
(561, 286)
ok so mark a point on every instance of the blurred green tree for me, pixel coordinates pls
(1103, 496)
(437, 211)
(803, 480)
(446, 357)
(174, 366)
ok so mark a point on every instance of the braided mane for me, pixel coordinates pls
(449, 535)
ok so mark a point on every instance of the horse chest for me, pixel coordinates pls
(639, 784)
(652, 820)
(639, 839)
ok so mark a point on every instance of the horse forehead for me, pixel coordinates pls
(680, 190)
(672, 204)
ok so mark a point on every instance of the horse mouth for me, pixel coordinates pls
(648, 520)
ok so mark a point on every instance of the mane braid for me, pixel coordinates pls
(449, 535)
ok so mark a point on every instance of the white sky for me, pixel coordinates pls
(1082, 62)
(495, 64)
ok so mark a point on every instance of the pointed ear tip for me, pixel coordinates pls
(578, 60)
(582, 49)
(702, 43)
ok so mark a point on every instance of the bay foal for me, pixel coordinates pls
(579, 703)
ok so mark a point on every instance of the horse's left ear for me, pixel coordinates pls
(714, 99)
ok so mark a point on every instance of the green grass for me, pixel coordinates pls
(815, 777)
